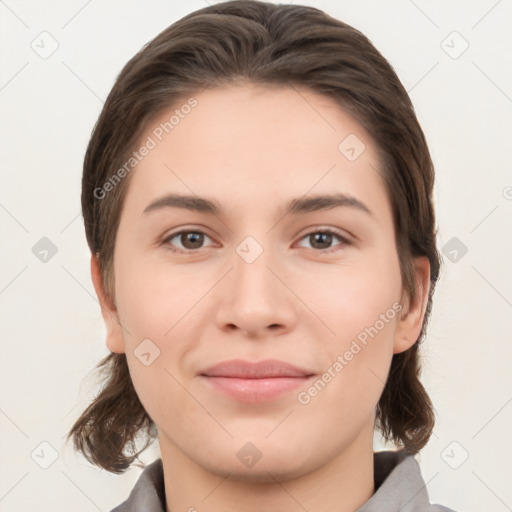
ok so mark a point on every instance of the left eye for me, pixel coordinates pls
(193, 240)
(325, 236)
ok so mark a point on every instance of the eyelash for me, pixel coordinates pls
(329, 231)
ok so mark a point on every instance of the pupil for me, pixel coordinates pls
(194, 238)
(325, 236)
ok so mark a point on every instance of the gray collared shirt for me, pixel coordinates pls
(397, 476)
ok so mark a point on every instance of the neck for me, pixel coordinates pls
(343, 484)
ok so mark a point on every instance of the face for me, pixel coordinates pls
(312, 292)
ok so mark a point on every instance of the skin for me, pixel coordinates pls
(253, 149)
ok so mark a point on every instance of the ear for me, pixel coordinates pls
(115, 341)
(411, 319)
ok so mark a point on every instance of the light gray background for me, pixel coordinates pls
(51, 327)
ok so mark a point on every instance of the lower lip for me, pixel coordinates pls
(256, 390)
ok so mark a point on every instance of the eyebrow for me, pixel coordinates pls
(295, 206)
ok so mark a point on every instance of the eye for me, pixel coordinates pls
(193, 240)
(190, 240)
(322, 238)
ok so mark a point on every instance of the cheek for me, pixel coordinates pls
(155, 316)
(159, 310)
(360, 304)
(353, 297)
(154, 300)
(355, 368)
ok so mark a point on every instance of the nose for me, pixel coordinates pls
(255, 297)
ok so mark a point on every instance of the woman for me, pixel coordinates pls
(257, 197)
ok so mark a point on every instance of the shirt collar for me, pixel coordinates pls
(399, 487)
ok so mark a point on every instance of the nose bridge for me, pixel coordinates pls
(256, 299)
(251, 272)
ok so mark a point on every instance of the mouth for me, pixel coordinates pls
(260, 381)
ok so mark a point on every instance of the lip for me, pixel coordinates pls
(259, 381)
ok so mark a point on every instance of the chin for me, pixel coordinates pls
(259, 474)
(270, 465)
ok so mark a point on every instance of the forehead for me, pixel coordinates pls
(264, 142)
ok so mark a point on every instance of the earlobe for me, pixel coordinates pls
(411, 318)
(114, 341)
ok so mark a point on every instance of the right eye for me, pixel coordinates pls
(190, 240)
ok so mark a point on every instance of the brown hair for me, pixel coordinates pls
(269, 44)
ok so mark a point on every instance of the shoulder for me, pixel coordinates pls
(399, 485)
(148, 495)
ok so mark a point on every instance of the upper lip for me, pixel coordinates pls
(268, 368)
